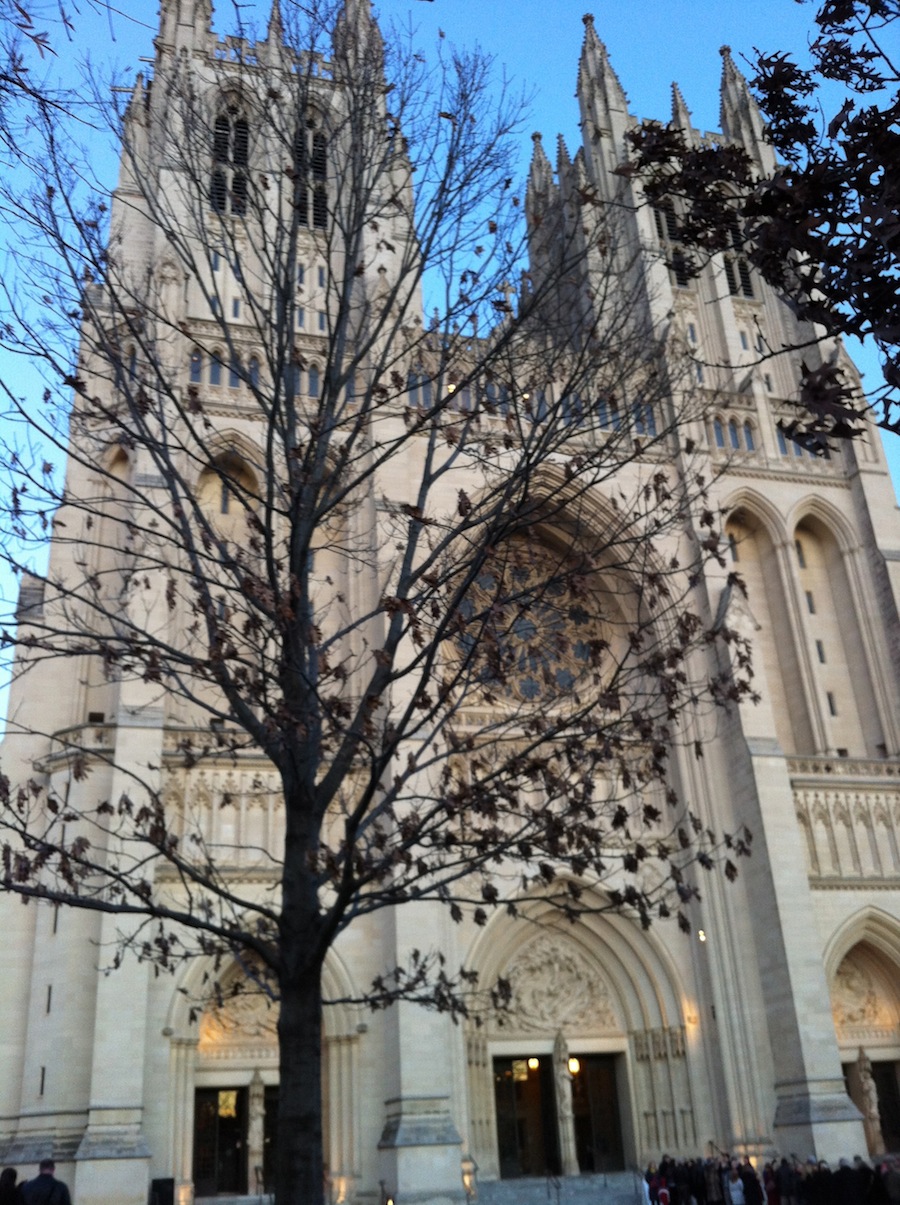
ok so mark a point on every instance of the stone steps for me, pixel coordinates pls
(253, 1199)
(615, 1188)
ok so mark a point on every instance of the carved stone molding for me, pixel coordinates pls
(661, 1043)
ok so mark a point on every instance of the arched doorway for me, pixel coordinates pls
(559, 1098)
(236, 1094)
(865, 1003)
(224, 1088)
(588, 1071)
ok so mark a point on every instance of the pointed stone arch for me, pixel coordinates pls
(871, 925)
(601, 985)
(236, 1047)
(836, 601)
(820, 510)
(758, 538)
(761, 509)
(338, 989)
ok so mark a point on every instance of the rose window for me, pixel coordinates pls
(532, 628)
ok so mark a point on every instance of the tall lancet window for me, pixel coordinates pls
(311, 160)
(231, 156)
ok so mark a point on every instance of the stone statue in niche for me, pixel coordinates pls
(565, 1114)
(870, 1111)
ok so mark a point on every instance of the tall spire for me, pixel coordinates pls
(595, 72)
(604, 111)
(358, 45)
(740, 116)
(134, 136)
(563, 159)
(541, 190)
(275, 32)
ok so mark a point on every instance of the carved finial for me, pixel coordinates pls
(681, 114)
(562, 152)
(276, 26)
(588, 19)
(536, 136)
(725, 52)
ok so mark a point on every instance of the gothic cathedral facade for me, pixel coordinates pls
(774, 1026)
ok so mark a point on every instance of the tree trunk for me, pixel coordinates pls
(301, 1157)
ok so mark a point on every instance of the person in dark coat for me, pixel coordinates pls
(821, 1185)
(45, 1189)
(878, 1194)
(753, 1192)
(846, 1185)
(10, 1191)
(786, 1179)
(865, 1175)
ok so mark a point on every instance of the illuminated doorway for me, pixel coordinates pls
(595, 1109)
(527, 1135)
(220, 1141)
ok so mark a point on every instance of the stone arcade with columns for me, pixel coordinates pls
(775, 1027)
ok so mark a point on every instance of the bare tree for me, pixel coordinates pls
(439, 578)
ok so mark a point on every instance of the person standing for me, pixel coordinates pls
(734, 1187)
(753, 1192)
(45, 1189)
(10, 1191)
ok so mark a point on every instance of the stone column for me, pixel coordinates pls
(342, 1099)
(113, 1159)
(183, 1058)
(812, 1109)
(420, 1145)
(256, 1121)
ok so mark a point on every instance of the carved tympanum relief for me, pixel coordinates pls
(863, 1001)
(854, 1000)
(554, 987)
(246, 1017)
(239, 1021)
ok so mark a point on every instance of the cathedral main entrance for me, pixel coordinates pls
(234, 1140)
(541, 1108)
(527, 1131)
(595, 1108)
(587, 1071)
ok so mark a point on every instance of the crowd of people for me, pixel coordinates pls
(729, 1181)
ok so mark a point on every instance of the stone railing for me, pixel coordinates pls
(849, 811)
